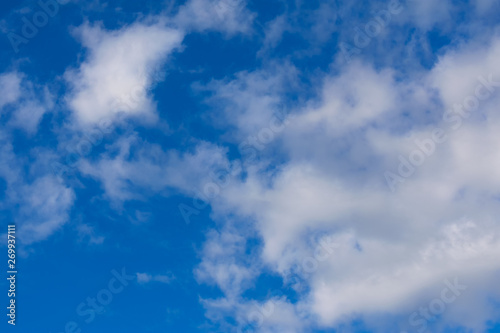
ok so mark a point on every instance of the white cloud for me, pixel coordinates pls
(44, 208)
(152, 169)
(27, 101)
(392, 248)
(251, 101)
(427, 13)
(40, 207)
(402, 245)
(349, 102)
(227, 16)
(315, 25)
(323, 23)
(219, 263)
(457, 72)
(10, 85)
(28, 116)
(29, 113)
(114, 76)
(274, 33)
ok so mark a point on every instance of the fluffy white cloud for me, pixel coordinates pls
(116, 74)
(349, 102)
(152, 169)
(44, 208)
(40, 203)
(252, 100)
(219, 263)
(29, 113)
(27, 101)
(393, 249)
(459, 71)
(390, 246)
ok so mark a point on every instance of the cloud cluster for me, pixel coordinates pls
(133, 166)
(396, 166)
(43, 201)
(114, 76)
(25, 101)
(394, 247)
(45, 207)
(407, 242)
(227, 16)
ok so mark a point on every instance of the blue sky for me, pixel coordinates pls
(251, 166)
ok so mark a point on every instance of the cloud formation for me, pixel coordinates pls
(115, 76)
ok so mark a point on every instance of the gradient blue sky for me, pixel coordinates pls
(252, 166)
